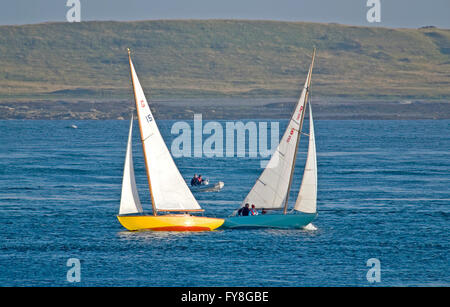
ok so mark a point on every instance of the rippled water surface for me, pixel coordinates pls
(384, 192)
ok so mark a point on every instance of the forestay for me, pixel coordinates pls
(307, 196)
(168, 189)
(129, 200)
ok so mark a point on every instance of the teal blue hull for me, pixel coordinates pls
(288, 221)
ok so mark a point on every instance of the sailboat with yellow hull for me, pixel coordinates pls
(271, 190)
(169, 192)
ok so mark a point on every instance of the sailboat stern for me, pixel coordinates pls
(169, 222)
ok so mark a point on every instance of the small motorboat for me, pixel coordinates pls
(208, 187)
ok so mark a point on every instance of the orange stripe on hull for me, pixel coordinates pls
(181, 228)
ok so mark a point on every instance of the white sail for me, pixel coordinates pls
(272, 185)
(168, 189)
(307, 196)
(129, 200)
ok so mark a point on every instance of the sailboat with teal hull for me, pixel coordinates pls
(271, 190)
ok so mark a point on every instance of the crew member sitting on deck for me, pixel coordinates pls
(244, 211)
(253, 210)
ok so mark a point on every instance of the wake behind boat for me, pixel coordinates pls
(168, 190)
(208, 187)
(271, 190)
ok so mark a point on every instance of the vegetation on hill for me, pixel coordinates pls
(221, 58)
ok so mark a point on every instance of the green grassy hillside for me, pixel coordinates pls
(215, 58)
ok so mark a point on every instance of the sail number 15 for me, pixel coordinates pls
(149, 118)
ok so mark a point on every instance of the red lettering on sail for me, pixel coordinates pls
(299, 113)
(290, 135)
(142, 103)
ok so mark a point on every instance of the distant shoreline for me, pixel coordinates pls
(334, 108)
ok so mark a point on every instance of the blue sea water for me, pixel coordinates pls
(384, 192)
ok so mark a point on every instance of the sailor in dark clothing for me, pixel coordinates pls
(244, 211)
(194, 180)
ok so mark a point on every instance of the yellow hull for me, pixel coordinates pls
(169, 222)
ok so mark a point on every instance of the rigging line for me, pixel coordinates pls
(261, 181)
(151, 134)
(297, 122)
(282, 154)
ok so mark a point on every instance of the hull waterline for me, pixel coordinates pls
(170, 222)
(282, 221)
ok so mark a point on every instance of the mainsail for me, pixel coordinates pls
(129, 200)
(307, 196)
(168, 189)
(272, 186)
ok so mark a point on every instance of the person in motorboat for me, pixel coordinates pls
(194, 180)
(199, 180)
(253, 210)
(244, 211)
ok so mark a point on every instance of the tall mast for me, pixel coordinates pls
(142, 135)
(299, 133)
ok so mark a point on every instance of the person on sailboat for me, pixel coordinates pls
(194, 180)
(244, 211)
(253, 210)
